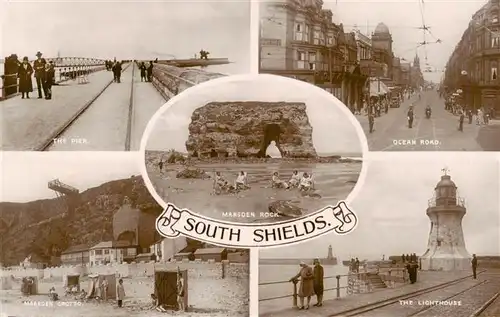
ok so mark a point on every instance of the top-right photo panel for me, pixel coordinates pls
(418, 75)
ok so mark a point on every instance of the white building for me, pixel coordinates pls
(112, 252)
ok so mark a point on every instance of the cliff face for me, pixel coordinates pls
(245, 129)
(44, 228)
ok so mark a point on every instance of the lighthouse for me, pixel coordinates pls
(446, 246)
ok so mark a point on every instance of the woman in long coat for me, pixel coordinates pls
(24, 74)
(319, 275)
(306, 285)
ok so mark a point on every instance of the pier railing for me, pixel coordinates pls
(390, 276)
(63, 72)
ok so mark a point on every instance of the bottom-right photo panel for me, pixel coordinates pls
(426, 244)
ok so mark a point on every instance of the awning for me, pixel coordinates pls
(378, 88)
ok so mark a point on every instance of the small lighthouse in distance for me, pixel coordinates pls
(446, 246)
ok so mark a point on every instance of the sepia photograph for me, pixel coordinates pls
(79, 239)
(253, 148)
(82, 76)
(427, 244)
(416, 81)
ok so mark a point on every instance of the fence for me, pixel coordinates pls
(389, 275)
(63, 73)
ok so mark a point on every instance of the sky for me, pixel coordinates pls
(447, 21)
(24, 175)
(333, 131)
(391, 207)
(126, 30)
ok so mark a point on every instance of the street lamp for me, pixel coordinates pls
(464, 80)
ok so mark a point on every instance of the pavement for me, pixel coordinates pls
(439, 133)
(29, 123)
(426, 279)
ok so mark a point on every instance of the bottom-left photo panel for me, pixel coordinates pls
(78, 238)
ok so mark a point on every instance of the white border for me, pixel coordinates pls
(206, 86)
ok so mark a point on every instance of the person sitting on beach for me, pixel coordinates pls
(220, 183)
(241, 181)
(83, 295)
(295, 179)
(52, 294)
(277, 182)
(306, 183)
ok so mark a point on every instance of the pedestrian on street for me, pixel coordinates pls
(356, 264)
(461, 122)
(120, 293)
(479, 116)
(410, 117)
(469, 114)
(39, 67)
(319, 274)
(371, 121)
(306, 286)
(180, 292)
(474, 266)
(24, 73)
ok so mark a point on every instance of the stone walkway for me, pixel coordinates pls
(337, 306)
(28, 123)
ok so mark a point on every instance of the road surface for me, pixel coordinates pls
(439, 133)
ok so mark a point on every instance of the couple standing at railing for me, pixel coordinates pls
(44, 74)
(310, 283)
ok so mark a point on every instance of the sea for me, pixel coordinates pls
(283, 273)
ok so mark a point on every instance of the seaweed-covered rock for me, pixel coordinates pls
(190, 172)
(285, 208)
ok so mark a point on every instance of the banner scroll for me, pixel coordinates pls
(174, 222)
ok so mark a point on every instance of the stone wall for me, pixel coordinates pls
(171, 80)
(196, 269)
(245, 129)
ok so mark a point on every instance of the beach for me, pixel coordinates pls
(333, 181)
(206, 296)
(275, 273)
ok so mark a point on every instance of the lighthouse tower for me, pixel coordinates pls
(446, 246)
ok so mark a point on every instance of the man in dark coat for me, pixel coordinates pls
(474, 266)
(319, 274)
(150, 71)
(39, 67)
(50, 74)
(24, 73)
(117, 71)
(410, 116)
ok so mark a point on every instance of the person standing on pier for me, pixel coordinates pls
(24, 74)
(319, 274)
(50, 74)
(474, 266)
(39, 67)
(120, 293)
(306, 286)
(150, 71)
(143, 72)
(117, 71)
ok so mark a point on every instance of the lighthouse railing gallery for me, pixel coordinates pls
(446, 201)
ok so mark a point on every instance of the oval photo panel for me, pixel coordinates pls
(253, 149)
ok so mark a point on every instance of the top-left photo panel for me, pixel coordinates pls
(88, 76)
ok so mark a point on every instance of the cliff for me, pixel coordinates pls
(245, 129)
(46, 227)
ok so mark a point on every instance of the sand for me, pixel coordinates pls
(333, 181)
(207, 297)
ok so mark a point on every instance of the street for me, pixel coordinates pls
(439, 133)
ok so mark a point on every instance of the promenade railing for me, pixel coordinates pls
(389, 275)
(64, 71)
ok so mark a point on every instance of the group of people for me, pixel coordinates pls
(310, 281)
(354, 265)
(116, 68)
(409, 258)
(28, 286)
(146, 71)
(222, 185)
(303, 181)
(44, 75)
